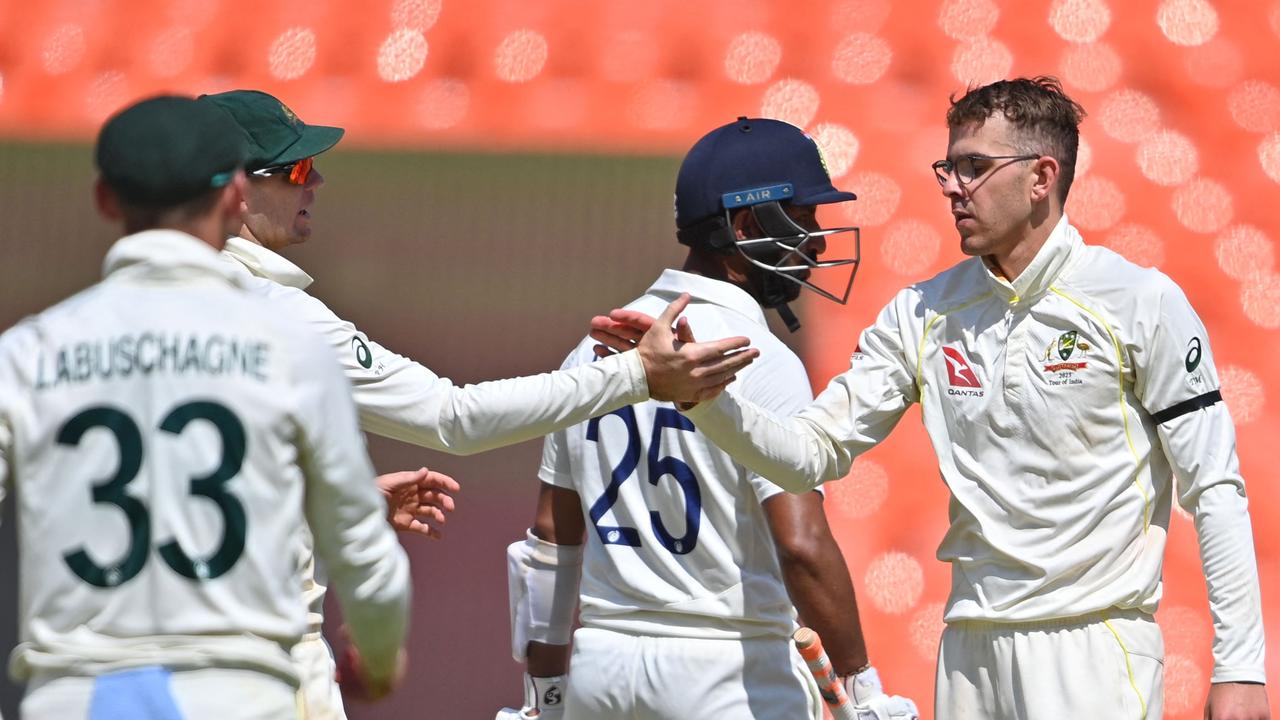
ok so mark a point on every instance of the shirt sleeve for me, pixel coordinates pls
(780, 386)
(347, 515)
(856, 411)
(403, 400)
(1177, 383)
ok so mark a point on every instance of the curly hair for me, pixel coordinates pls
(1044, 118)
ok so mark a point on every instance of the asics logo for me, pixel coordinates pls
(959, 374)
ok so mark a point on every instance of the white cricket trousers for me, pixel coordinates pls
(319, 697)
(642, 677)
(1104, 666)
(205, 694)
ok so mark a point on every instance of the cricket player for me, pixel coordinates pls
(396, 396)
(1071, 397)
(167, 434)
(694, 566)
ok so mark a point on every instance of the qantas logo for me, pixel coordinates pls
(963, 380)
(959, 374)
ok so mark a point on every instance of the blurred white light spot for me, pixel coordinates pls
(292, 54)
(1186, 632)
(1255, 106)
(1084, 157)
(1129, 116)
(1187, 22)
(1080, 21)
(1093, 66)
(1242, 392)
(878, 197)
(520, 56)
(1139, 244)
(63, 49)
(968, 19)
(663, 104)
(1203, 205)
(1217, 63)
(417, 15)
(1269, 156)
(909, 247)
(1095, 203)
(752, 58)
(1168, 158)
(171, 51)
(926, 630)
(1260, 299)
(1244, 252)
(894, 581)
(106, 94)
(862, 492)
(629, 56)
(794, 101)
(443, 104)
(402, 55)
(1184, 684)
(861, 59)
(860, 15)
(839, 147)
(981, 61)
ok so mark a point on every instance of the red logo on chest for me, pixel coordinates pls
(959, 374)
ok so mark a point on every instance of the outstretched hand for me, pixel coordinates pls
(678, 368)
(418, 500)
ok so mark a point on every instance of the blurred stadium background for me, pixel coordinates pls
(507, 173)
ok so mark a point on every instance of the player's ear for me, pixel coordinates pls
(104, 198)
(744, 224)
(1045, 181)
(233, 194)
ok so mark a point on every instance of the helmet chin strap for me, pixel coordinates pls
(788, 317)
(776, 294)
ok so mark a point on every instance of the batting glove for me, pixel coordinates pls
(871, 703)
(543, 699)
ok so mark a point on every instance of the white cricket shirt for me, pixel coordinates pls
(1061, 407)
(404, 400)
(168, 435)
(677, 543)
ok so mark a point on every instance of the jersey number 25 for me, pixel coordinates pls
(664, 417)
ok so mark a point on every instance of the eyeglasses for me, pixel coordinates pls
(968, 168)
(299, 172)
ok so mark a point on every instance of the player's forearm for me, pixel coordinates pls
(423, 409)
(1231, 573)
(793, 453)
(822, 591)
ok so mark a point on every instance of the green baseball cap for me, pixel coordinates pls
(274, 133)
(168, 149)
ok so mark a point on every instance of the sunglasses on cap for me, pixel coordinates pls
(298, 172)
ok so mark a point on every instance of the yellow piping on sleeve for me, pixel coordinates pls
(1124, 412)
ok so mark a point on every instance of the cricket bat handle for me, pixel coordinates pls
(829, 685)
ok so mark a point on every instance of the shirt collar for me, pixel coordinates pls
(159, 252)
(266, 263)
(1045, 267)
(671, 283)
